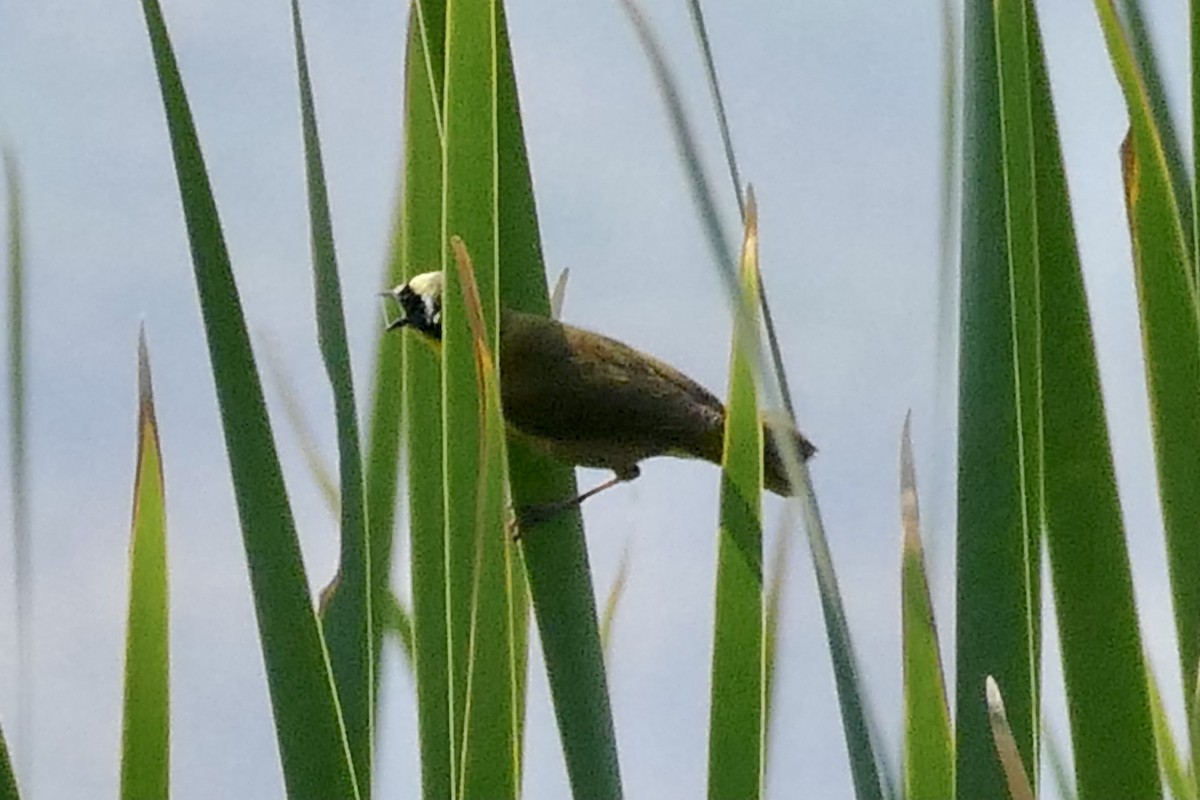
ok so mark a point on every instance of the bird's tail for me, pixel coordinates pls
(775, 454)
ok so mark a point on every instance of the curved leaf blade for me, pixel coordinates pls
(346, 615)
(308, 725)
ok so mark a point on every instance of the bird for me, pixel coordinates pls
(588, 400)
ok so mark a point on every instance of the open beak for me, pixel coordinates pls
(399, 322)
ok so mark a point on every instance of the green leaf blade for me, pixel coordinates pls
(145, 734)
(928, 737)
(422, 247)
(486, 593)
(997, 601)
(1170, 316)
(312, 744)
(346, 617)
(1089, 560)
(737, 713)
(555, 556)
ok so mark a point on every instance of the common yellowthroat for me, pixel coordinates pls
(591, 401)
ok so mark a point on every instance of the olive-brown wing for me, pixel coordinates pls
(569, 385)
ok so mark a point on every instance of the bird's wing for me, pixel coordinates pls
(566, 384)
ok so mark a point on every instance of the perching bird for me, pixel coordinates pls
(591, 401)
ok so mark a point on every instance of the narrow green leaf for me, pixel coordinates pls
(863, 759)
(1057, 762)
(1015, 775)
(776, 578)
(1174, 769)
(1089, 561)
(487, 697)
(1194, 41)
(997, 604)
(928, 738)
(145, 735)
(555, 556)
(1170, 316)
(1145, 56)
(18, 460)
(395, 619)
(491, 765)
(736, 732)
(281, 379)
(8, 781)
(422, 247)
(312, 739)
(1021, 219)
(346, 617)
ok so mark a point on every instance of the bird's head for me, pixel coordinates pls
(420, 302)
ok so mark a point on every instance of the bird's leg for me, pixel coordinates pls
(531, 516)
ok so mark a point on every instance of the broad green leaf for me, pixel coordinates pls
(928, 738)
(145, 734)
(18, 461)
(486, 591)
(308, 725)
(1015, 774)
(736, 721)
(997, 605)
(1089, 561)
(555, 555)
(346, 616)
(1170, 317)
(422, 246)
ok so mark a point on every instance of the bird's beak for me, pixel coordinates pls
(399, 322)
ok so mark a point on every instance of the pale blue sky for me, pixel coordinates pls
(835, 113)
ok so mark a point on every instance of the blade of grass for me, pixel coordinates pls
(1146, 58)
(346, 618)
(1174, 768)
(1015, 775)
(1057, 763)
(996, 598)
(293, 412)
(851, 699)
(555, 558)
(145, 735)
(19, 464)
(1194, 42)
(1021, 218)
(8, 781)
(928, 738)
(470, 213)
(493, 687)
(312, 740)
(736, 732)
(395, 619)
(1089, 561)
(422, 243)
(1170, 315)
(714, 87)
